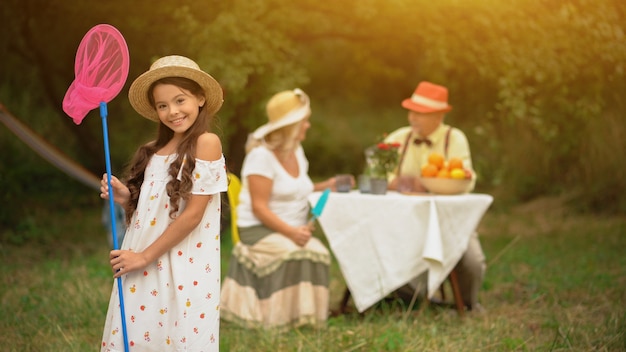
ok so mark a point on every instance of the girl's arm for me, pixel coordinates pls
(209, 148)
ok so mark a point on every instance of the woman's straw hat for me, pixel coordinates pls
(173, 66)
(283, 109)
(428, 97)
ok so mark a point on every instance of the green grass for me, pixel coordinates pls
(555, 282)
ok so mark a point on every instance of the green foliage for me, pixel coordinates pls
(530, 80)
(28, 182)
(542, 74)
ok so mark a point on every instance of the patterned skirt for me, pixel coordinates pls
(274, 283)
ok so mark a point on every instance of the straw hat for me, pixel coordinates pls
(173, 66)
(283, 109)
(428, 97)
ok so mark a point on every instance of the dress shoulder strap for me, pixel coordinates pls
(447, 142)
(404, 147)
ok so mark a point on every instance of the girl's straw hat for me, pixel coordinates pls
(428, 97)
(173, 66)
(283, 109)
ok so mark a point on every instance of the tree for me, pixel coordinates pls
(537, 70)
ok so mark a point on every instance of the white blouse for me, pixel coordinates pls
(288, 199)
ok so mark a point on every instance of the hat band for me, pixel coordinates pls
(291, 117)
(430, 103)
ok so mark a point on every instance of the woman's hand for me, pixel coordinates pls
(301, 235)
(126, 261)
(121, 194)
(332, 184)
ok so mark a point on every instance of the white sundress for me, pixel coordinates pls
(174, 303)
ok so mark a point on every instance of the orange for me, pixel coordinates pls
(436, 159)
(443, 173)
(429, 170)
(455, 163)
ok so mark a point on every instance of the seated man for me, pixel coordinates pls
(428, 134)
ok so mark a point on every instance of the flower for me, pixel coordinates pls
(382, 158)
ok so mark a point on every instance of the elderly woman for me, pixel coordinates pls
(278, 274)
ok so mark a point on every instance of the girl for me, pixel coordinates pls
(169, 261)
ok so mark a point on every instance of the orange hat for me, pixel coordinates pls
(428, 97)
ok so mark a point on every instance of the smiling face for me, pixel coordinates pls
(423, 124)
(177, 108)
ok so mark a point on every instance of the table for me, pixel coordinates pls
(382, 242)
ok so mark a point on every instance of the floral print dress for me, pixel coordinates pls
(174, 303)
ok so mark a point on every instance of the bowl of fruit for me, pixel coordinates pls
(440, 176)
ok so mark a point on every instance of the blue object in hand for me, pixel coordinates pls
(319, 207)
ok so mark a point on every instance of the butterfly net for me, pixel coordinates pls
(101, 69)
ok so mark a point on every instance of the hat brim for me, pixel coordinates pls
(411, 105)
(298, 116)
(138, 92)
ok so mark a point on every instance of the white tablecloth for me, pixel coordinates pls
(382, 242)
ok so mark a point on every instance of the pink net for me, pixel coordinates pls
(101, 69)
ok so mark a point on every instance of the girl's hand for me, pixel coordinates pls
(126, 261)
(121, 194)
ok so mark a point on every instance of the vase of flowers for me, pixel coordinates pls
(382, 159)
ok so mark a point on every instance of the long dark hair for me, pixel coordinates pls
(186, 150)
